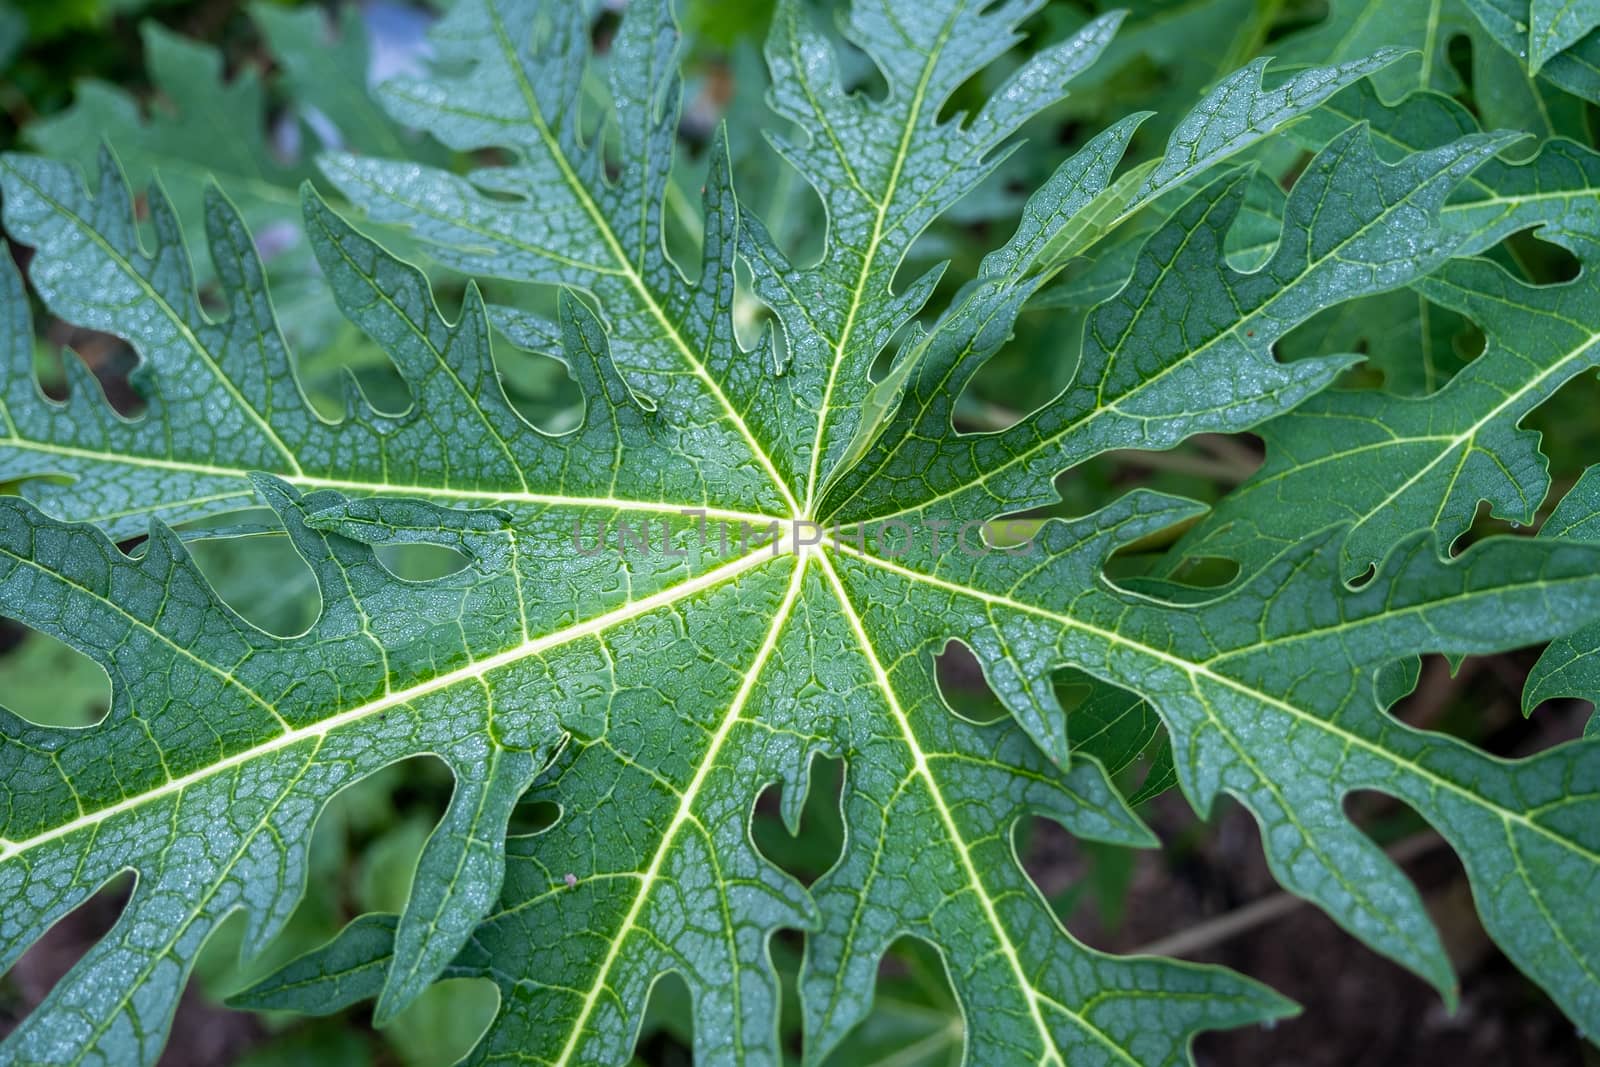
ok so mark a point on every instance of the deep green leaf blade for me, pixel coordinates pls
(1570, 665)
(1290, 741)
(1404, 464)
(1354, 226)
(510, 76)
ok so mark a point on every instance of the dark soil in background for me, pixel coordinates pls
(1359, 1009)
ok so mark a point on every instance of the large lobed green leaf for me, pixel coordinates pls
(652, 696)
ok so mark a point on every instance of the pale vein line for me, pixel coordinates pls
(1087, 418)
(1428, 45)
(183, 328)
(920, 759)
(684, 813)
(306, 481)
(472, 671)
(152, 960)
(513, 61)
(152, 630)
(417, 331)
(1200, 670)
(1471, 432)
(884, 203)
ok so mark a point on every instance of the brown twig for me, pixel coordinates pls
(1257, 913)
